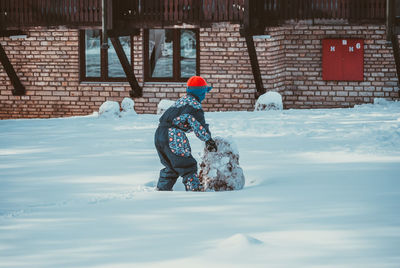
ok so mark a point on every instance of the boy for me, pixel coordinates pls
(172, 145)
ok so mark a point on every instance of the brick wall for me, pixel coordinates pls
(225, 65)
(271, 55)
(304, 85)
(47, 62)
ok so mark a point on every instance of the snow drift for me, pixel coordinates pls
(109, 109)
(269, 101)
(163, 105)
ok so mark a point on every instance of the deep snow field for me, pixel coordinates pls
(322, 190)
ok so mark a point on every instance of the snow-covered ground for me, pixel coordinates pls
(322, 190)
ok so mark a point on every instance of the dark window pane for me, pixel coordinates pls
(92, 53)
(114, 66)
(188, 53)
(161, 53)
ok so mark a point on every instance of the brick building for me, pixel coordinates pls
(62, 80)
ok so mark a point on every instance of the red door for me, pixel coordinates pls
(343, 59)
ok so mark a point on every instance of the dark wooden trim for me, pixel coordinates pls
(110, 15)
(389, 19)
(11, 33)
(103, 62)
(198, 52)
(391, 33)
(145, 57)
(396, 53)
(19, 89)
(137, 90)
(82, 55)
(176, 57)
(255, 67)
(246, 15)
(104, 13)
(160, 13)
(124, 32)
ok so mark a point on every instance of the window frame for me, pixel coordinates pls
(176, 68)
(103, 61)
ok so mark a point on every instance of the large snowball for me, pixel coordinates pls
(269, 101)
(163, 105)
(109, 109)
(220, 171)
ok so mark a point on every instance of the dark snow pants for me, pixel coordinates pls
(175, 165)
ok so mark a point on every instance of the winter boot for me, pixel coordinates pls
(192, 183)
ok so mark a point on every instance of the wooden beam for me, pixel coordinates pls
(247, 15)
(389, 19)
(396, 53)
(137, 90)
(19, 89)
(255, 67)
(104, 22)
(124, 32)
(8, 33)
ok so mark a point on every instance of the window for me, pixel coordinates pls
(171, 54)
(97, 65)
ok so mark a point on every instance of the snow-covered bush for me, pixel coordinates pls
(163, 105)
(109, 109)
(220, 171)
(269, 101)
(127, 106)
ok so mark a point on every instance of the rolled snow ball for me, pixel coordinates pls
(109, 109)
(128, 105)
(220, 171)
(163, 105)
(269, 101)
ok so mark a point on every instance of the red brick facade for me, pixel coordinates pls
(304, 87)
(47, 62)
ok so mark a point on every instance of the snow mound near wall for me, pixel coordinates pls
(269, 101)
(163, 105)
(128, 107)
(109, 109)
(220, 171)
(379, 103)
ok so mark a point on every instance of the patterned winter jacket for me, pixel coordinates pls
(185, 115)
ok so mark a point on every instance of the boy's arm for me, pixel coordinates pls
(198, 124)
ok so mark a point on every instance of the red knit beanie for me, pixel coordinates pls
(196, 81)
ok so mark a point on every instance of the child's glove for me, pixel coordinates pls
(211, 146)
(193, 184)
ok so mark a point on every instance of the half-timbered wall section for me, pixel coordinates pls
(58, 59)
